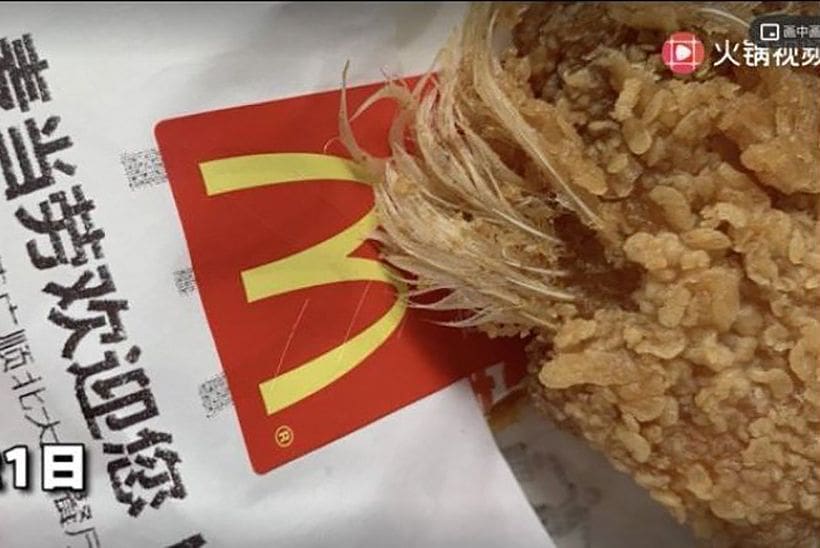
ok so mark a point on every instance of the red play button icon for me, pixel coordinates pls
(683, 52)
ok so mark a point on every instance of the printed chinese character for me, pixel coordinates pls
(140, 401)
(726, 53)
(23, 399)
(184, 281)
(215, 395)
(83, 326)
(14, 350)
(110, 310)
(814, 31)
(74, 220)
(34, 177)
(802, 31)
(88, 535)
(11, 309)
(47, 425)
(63, 466)
(73, 507)
(154, 472)
(810, 57)
(786, 57)
(144, 168)
(2, 272)
(754, 55)
(195, 541)
(26, 381)
(21, 78)
(80, 290)
(789, 31)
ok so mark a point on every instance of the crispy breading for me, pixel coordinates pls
(657, 235)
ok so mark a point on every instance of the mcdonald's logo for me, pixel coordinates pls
(326, 262)
(312, 330)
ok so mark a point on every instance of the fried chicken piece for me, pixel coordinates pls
(656, 235)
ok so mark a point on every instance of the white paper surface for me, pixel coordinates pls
(428, 475)
(581, 499)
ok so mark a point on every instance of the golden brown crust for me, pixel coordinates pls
(708, 393)
(670, 238)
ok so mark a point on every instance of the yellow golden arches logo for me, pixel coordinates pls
(325, 263)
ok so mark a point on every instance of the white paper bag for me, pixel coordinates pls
(428, 475)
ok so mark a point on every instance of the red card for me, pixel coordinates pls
(313, 337)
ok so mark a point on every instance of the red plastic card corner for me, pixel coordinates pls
(313, 333)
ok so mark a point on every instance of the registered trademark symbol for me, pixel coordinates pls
(284, 436)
